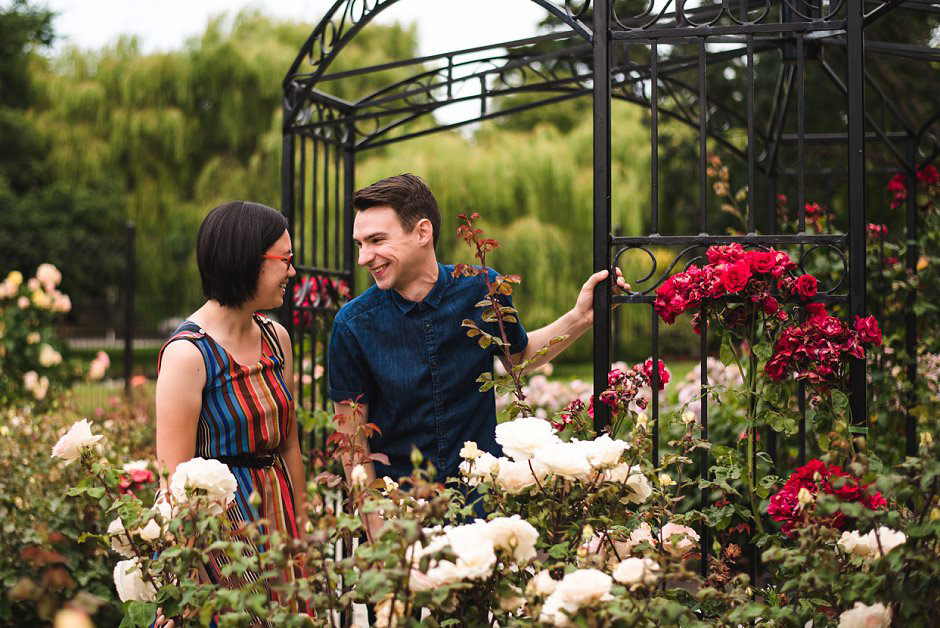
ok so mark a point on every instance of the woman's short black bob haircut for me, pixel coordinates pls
(231, 241)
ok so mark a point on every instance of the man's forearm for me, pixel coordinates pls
(569, 324)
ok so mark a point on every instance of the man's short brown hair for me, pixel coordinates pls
(408, 195)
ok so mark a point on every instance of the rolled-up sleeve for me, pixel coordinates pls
(347, 369)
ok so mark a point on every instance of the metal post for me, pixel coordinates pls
(910, 317)
(602, 220)
(130, 274)
(855, 94)
(349, 187)
(287, 208)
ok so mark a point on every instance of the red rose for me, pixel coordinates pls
(776, 368)
(735, 277)
(729, 254)
(928, 175)
(814, 310)
(812, 210)
(769, 305)
(763, 261)
(868, 330)
(133, 481)
(663, 373)
(806, 286)
(785, 287)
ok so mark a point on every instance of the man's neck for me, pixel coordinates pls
(422, 284)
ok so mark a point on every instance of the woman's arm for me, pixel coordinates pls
(290, 445)
(179, 399)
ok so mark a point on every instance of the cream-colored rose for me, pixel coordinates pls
(15, 278)
(584, 586)
(642, 534)
(79, 437)
(130, 583)
(358, 476)
(677, 539)
(665, 480)
(635, 480)
(514, 535)
(33, 337)
(150, 532)
(119, 541)
(888, 539)
(542, 584)
(475, 552)
(22, 302)
(568, 460)
(33, 284)
(135, 465)
(864, 616)
(61, 303)
(521, 438)
(867, 545)
(555, 612)
(205, 477)
(388, 614)
(72, 618)
(99, 366)
(39, 391)
(515, 477)
(49, 356)
(604, 452)
(483, 469)
(637, 571)
(470, 451)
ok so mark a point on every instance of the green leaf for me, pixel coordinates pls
(726, 353)
(763, 351)
(559, 550)
(839, 401)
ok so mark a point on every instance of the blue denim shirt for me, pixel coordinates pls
(417, 369)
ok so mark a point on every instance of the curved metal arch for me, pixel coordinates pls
(343, 21)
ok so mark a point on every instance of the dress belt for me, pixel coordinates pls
(252, 461)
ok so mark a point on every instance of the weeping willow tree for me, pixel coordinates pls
(175, 133)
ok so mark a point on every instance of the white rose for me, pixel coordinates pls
(358, 476)
(637, 571)
(79, 436)
(677, 539)
(119, 541)
(634, 478)
(515, 477)
(521, 438)
(470, 451)
(130, 583)
(604, 452)
(862, 616)
(208, 476)
(568, 460)
(542, 584)
(888, 538)
(851, 542)
(475, 552)
(149, 532)
(49, 356)
(515, 535)
(387, 614)
(556, 612)
(584, 586)
(480, 470)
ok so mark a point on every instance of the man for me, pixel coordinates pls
(399, 352)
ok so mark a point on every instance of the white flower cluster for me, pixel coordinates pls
(210, 478)
(580, 588)
(548, 396)
(867, 545)
(534, 452)
(864, 616)
(475, 547)
(130, 584)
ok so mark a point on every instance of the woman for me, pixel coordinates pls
(222, 376)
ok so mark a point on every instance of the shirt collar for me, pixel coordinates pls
(433, 298)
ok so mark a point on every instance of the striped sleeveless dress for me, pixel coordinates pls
(247, 411)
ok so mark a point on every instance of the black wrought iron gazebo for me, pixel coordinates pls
(666, 56)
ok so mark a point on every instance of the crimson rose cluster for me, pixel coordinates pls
(312, 292)
(733, 272)
(818, 350)
(793, 510)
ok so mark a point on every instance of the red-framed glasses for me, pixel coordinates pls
(284, 258)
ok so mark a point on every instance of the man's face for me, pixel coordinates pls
(385, 248)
